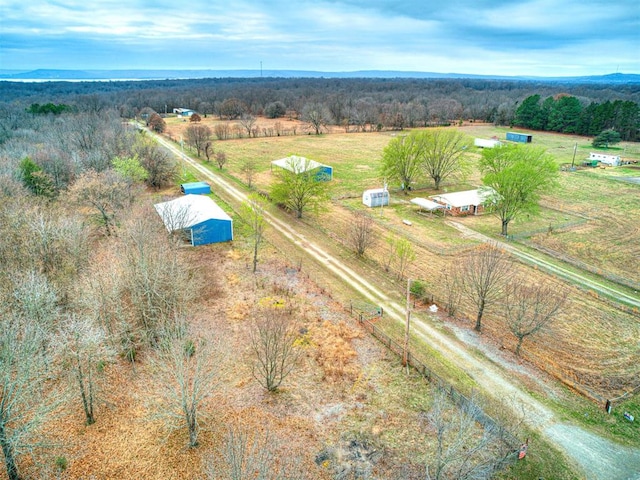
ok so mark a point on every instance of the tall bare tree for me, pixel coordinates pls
(248, 122)
(105, 193)
(159, 286)
(272, 342)
(530, 308)
(316, 115)
(361, 235)
(26, 399)
(465, 448)
(484, 274)
(197, 136)
(253, 215)
(84, 345)
(186, 369)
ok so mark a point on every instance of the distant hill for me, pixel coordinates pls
(97, 75)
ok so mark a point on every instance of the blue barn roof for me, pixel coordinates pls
(195, 188)
(199, 216)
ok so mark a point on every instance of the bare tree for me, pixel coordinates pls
(106, 193)
(529, 309)
(451, 282)
(221, 159)
(156, 161)
(222, 130)
(84, 345)
(251, 455)
(248, 122)
(272, 342)
(186, 371)
(26, 399)
(253, 215)
(316, 115)
(360, 234)
(35, 301)
(197, 136)
(484, 274)
(158, 285)
(465, 448)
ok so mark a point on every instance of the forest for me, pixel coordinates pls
(383, 103)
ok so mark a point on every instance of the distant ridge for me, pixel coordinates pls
(105, 75)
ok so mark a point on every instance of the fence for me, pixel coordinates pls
(364, 316)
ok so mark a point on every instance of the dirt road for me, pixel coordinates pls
(599, 458)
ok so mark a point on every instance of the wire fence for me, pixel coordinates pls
(366, 312)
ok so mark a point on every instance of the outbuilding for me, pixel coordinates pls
(199, 217)
(300, 165)
(486, 143)
(611, 160)
(468, 202)
(195, 188)
(519, 137)
(376, 197)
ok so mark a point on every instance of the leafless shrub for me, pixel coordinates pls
(273, 344)
(250, 455)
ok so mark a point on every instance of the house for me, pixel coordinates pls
(299, 165)
(486, 143)
(427, 205)
(519, 137)
(611, 160)
(198, 217)
(183, 112)
(469, 202)
(195, 188)
(376, 197)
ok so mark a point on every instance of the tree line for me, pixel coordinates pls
(388, 103)
(567, 114)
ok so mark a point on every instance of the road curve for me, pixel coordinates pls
(483, 372)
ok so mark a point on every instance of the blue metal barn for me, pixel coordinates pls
(519, 137)
(199, 217)
(195, 188)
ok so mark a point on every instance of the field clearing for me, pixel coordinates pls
(601, 234)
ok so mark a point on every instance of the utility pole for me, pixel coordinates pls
(405, 350)
(575, 147)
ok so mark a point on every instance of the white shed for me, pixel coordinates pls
(376, 197)
(486, 143)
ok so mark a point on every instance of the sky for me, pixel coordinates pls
(487, 37)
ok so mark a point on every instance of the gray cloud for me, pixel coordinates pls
(535, 37)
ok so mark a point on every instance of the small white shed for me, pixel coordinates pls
(486, 143)
(376, 197)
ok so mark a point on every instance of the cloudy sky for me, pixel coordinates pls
(498, 37)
